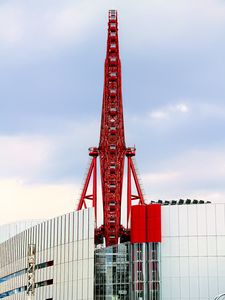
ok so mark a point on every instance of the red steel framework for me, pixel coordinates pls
(112, 152)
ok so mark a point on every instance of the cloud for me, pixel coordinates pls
(38, 173)
(181, 113)
(21, 202)
(169, 111)
(161, 177)
(42, 28)
(182, 108)
(70, 21)
(195, 173)
(42, 167)
(209, 110)
(55, 156)
(195, 107)
(174, 24)
(23, 156)
(11, 25)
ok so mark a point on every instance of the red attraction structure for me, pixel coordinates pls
(112, 152)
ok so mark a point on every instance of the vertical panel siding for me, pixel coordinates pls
(193, 251)
(68, 241)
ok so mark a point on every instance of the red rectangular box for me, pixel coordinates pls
(138, 224)
(154, 233)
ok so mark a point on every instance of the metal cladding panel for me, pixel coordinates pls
(154, 232)
(138, 224)
(65, 261)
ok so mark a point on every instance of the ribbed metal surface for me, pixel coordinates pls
(64, 260)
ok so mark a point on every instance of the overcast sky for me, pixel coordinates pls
(51, 80)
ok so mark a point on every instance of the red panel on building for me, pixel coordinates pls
(154, 223)
(138, 224)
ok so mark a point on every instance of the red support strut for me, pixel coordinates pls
(92, 172)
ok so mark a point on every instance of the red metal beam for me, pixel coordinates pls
(112, 150)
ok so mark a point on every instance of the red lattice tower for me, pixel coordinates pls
(112, 152)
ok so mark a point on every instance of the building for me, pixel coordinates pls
(9, 230)
(183, 259)
(51, 260)
(189, 263)
(193, 251)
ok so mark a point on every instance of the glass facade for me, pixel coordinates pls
(145, 271)
(154, 270)
(112, 272)
(128, 271)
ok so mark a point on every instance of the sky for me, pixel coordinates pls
(51, 82)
